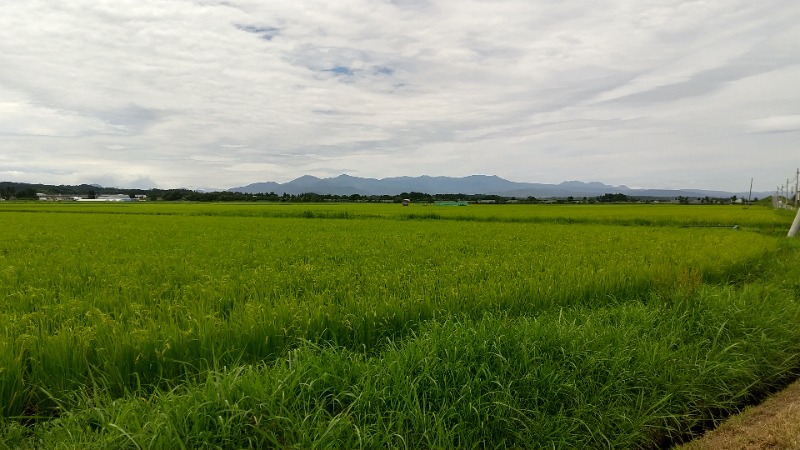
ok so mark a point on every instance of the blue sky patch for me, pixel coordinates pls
(264, 32)
(340, 70)
(382, 70)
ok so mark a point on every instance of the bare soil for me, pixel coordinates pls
(772, 425)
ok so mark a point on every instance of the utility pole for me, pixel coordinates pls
(785, 194)
(796, 224)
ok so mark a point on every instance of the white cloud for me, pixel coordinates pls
(213, 93)
(777, 123)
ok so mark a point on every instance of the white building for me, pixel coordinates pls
(110, 198)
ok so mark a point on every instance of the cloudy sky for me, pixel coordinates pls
(207, 93)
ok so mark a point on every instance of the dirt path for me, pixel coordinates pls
(773, 425)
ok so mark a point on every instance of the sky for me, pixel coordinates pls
(215, 94)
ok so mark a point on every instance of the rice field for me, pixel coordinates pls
(163, 325)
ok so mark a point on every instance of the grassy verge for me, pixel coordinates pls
(775, 424)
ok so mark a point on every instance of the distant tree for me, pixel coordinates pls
(308, 197)
(191, 196)
(172, 195)
(26, 194)
(607, 198)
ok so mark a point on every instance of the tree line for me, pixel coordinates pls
(26, 191)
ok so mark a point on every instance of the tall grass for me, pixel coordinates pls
(633, 375)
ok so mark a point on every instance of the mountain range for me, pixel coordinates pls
(471, 185)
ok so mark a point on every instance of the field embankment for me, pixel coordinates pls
(772, 425)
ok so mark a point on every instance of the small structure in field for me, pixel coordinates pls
(110, 198)
(406, 201)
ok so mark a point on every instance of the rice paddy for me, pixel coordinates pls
(380, 326)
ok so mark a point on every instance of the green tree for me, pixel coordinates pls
(26, 194)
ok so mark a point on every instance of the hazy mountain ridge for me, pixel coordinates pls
(473, 184)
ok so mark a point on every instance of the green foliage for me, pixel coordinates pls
(251, 326)
(612, 198)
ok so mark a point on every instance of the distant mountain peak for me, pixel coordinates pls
(470, 185)
(493, 177)
(305, 179)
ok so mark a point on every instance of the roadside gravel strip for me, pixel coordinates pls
(773, 425)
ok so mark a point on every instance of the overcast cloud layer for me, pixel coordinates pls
(156, 93)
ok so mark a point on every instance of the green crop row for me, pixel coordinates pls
(755, 217)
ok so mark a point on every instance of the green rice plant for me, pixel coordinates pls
(753, 217)
(244, 327)
(146, 299)
(13, 395)
(634, 375)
